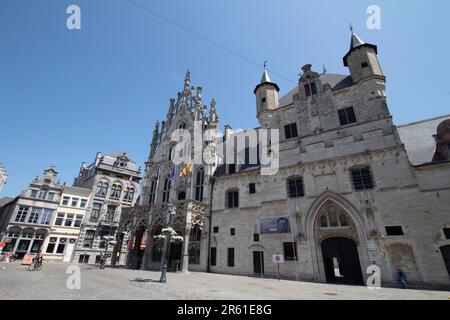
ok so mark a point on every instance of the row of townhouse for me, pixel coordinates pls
(52, 218)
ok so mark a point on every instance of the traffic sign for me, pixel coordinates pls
(278, 258)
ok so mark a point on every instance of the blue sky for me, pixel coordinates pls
(66, 94)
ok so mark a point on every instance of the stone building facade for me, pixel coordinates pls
(66, 223)
(352, 190)
(114, 181)
(26, 221)
(346, 184)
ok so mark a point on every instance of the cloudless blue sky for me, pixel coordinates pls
(66, 94)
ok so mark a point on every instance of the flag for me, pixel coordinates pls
(171, 174)
(128, 183)
(186, 170)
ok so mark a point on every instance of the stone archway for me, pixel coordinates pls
(355, 229)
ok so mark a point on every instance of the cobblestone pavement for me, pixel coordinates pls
(50, 283)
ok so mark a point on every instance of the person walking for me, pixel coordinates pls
(401, 277)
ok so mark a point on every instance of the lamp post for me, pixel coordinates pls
(167, 237)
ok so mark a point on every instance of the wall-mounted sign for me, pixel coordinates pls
(275, 225)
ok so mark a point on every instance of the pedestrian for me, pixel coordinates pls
(401, 277)
(8, 256)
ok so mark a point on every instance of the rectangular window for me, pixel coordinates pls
(394, 231)
(21, 214)
(307, 90)
(51, 196)
(364, 65)
(96, 208)
(61, 245)
(313, 88)
(347, 116)
(216, 230)
(65, 201)
(290, 251)
(230, 261)
(310, 89)
(83, 203)
(213, 256)
(78, 220)
(290, 131)
(232, 231)
(75, 202)
(256, 237)
(295, 188)
(69, 220)
(34, 215)
(252, 188)
(33, 193)
(362, 179)
(232, 198)
(88, 239)
(42, 195)
(84, 258)
(47, 216)
(51, 245)
(111, 210)
(59, 219)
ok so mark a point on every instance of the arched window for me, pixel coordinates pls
(166, 190)
(116, 191)
(129, 195)
(182, 125)
(152, 194)
(181, 195)
(199, 181)
(343, 220)
(323, 221)
(102, 189)
(332, 216)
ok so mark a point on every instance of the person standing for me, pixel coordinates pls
(8, 256)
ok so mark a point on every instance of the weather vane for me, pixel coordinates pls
(351, 27)
(265, 64)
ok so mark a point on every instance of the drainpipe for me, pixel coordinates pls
(212, 180)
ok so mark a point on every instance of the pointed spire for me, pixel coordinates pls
(187, 80)
(355, 41)
(265, 79)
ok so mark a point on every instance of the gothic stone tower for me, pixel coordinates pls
(164, 187)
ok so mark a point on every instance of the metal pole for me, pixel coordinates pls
(163, 274)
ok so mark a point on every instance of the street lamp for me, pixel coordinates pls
(168, 235)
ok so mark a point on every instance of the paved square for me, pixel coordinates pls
(50, 283)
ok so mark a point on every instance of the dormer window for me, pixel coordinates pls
(310, 89)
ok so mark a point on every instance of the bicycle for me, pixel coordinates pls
(36, 264)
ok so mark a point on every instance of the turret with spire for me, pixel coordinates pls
(266, 93)
(362, 59)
